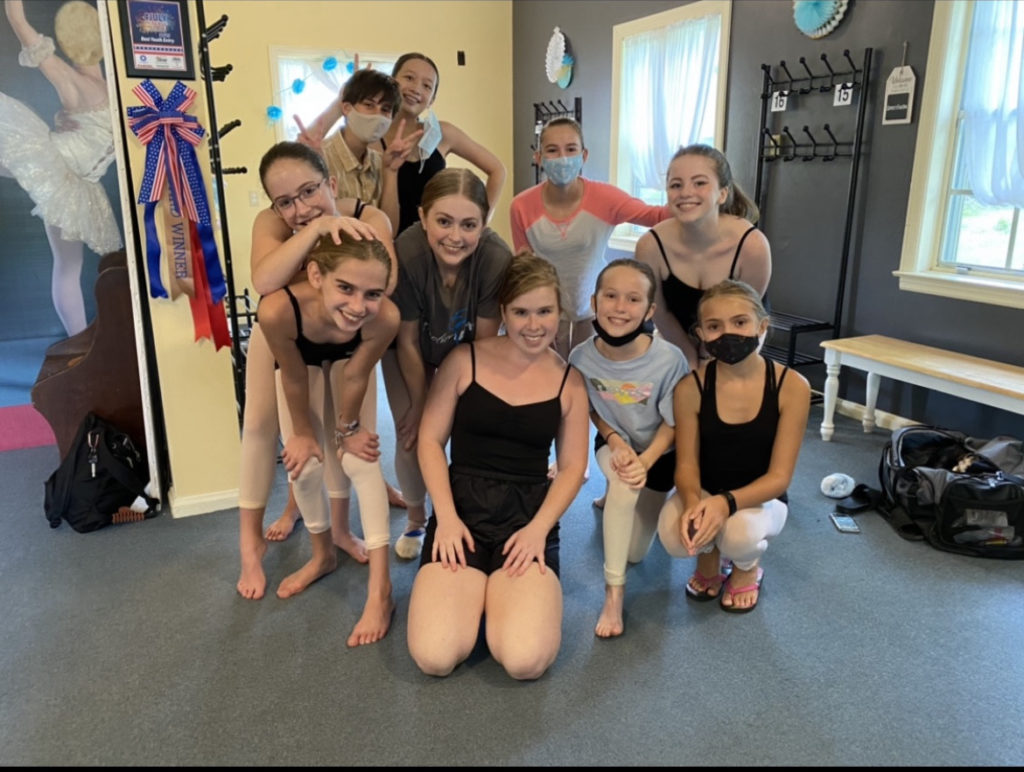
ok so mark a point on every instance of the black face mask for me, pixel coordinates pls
(621, 340)
(732, 348)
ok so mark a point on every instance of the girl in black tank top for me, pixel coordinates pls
(492, 540)
(340, 320)
(740, 421)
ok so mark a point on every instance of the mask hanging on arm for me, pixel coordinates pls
(431, 138)
(563, 170)
(367, 128)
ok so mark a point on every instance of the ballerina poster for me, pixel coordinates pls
(57, 176)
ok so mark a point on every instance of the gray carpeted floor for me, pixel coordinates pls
(130, 646)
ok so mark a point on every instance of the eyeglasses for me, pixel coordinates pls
(285, 204)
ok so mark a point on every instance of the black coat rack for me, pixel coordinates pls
(811, 144)
(210, 74)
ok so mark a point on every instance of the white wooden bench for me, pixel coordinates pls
(980, 380)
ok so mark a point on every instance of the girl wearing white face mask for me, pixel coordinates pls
(568, 220)
(368, 102)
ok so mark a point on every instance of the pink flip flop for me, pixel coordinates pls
(728, 590)
(710, 583)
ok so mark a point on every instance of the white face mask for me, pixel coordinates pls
(367, 128)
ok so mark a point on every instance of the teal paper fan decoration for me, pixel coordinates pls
(817, 18)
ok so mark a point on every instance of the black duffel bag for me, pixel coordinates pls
(940, 486)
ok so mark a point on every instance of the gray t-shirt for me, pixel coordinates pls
(635, 395)
(447, 315)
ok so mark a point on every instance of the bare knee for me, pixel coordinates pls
(527, 666)
(434, 663)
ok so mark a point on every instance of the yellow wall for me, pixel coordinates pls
(476, 97)
(196, 382)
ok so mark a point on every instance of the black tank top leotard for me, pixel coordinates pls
(492, 437)
(411, 182)
(680, 298)
(315, 354)
(734, 455)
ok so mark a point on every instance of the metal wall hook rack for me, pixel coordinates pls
(823, 82)
(775, 143)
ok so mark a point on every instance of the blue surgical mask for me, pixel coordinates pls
(563, 170)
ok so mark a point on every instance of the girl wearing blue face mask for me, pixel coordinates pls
(568, 220)
(739, 420)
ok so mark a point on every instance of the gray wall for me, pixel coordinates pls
(805, 208)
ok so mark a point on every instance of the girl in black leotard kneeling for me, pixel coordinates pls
(711, 237)
(491, 547)
(740, 420)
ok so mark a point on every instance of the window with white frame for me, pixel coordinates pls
(965, 233)
(306, 81)
(669, 74)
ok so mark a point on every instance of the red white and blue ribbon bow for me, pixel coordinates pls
(170, 137)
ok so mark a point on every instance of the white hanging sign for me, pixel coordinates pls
(898, 104)
(843, 95)
(779, 101)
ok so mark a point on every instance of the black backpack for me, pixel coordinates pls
(102, 473)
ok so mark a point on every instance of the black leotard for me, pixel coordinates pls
(680, 298)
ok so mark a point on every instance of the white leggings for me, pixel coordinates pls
(365, 476)
(407, 467)
(260, 430)
(630, 520)
(743, 539)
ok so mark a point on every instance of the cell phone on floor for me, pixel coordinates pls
(844, 523)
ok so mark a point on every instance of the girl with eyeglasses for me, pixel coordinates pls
(303, 210)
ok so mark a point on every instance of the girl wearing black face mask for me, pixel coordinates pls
(739, 424)
(630, 377)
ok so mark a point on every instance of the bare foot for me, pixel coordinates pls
(295, 583)
(252, 582)
(375, 622)
(282, 528)
(395, 497)
(352, 546)
(609, 624)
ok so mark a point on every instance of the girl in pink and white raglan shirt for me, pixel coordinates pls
(568, 220)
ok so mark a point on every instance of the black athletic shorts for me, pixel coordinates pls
(493, 509)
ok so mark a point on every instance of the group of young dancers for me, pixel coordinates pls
(492, 356)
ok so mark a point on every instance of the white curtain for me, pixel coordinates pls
(668, 93)
(993, 103)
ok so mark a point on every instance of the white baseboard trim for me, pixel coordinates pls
(186, 506)
(883, 420)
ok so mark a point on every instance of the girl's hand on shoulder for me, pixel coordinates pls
(363, 444)
(451, 538)
(523, 547)
(400, 148)
(297, 451)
